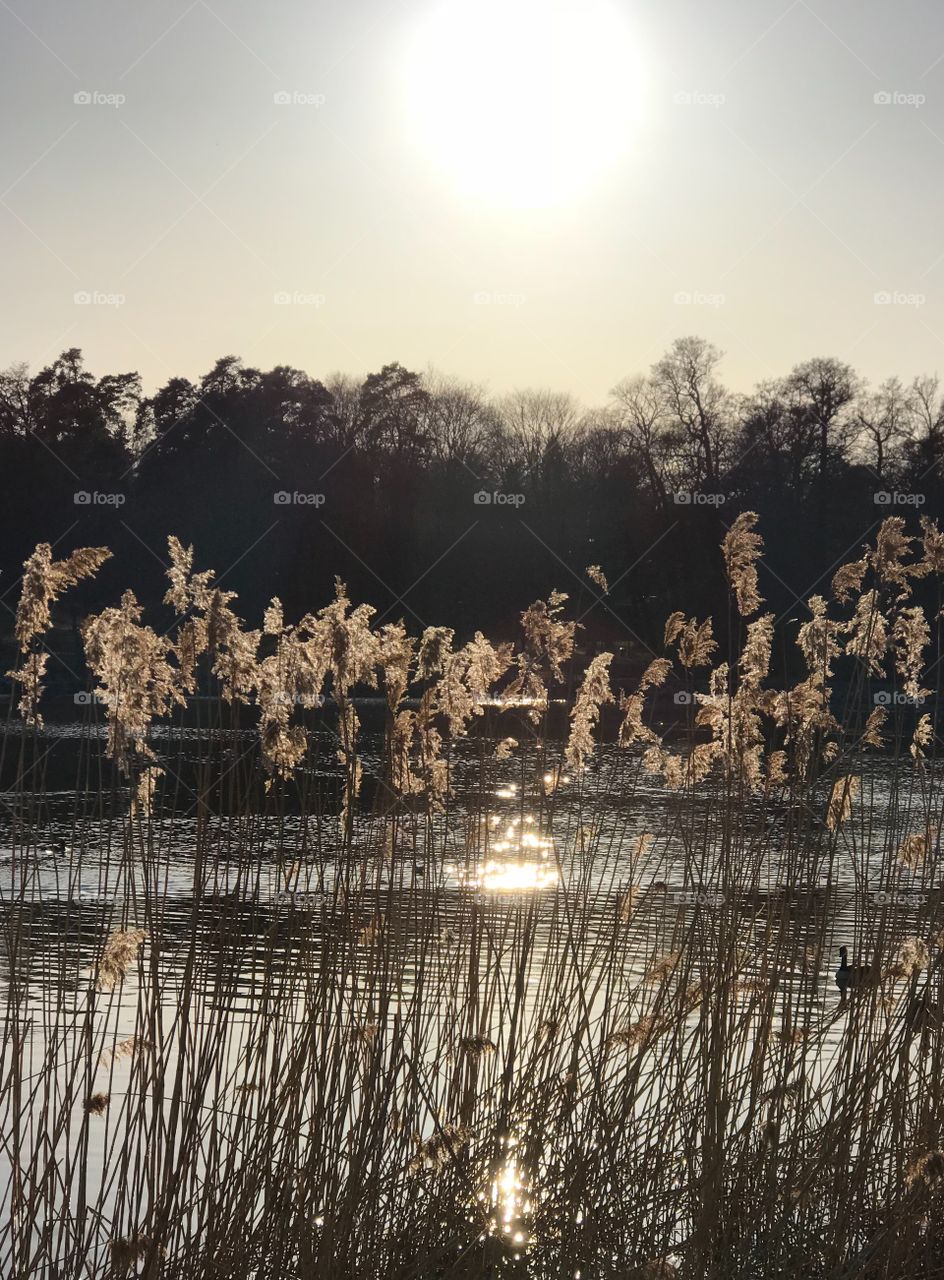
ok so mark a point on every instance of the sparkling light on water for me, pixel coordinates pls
(521, 858)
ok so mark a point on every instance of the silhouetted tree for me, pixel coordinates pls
(232, 461)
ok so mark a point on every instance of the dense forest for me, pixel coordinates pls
(441, 504)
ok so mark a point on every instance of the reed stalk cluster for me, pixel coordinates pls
(507, 971)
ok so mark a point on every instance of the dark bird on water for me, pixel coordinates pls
(57, 850)
(849, 976)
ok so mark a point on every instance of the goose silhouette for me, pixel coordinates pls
(850, 976)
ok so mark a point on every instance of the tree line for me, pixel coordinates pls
(441, 503)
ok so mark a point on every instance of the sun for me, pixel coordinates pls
(523, 102)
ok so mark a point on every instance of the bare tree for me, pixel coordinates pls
(823, 392)
(16, 414)
(462, 424)
(691, 395)
(927, 406)
(345, 420)
(537, 428)
(886, 418)
(639, 410)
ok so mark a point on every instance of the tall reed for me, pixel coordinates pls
(511, 981)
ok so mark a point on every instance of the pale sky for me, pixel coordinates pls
(755, 175)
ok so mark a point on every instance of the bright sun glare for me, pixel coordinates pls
(523, 102)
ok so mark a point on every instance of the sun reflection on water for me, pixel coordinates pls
(508, 1200)
(514, 877)
(508, 1196)
(519, 857)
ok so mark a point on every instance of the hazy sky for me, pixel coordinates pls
(756, 175)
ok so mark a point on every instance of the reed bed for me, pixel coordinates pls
(464, 995)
